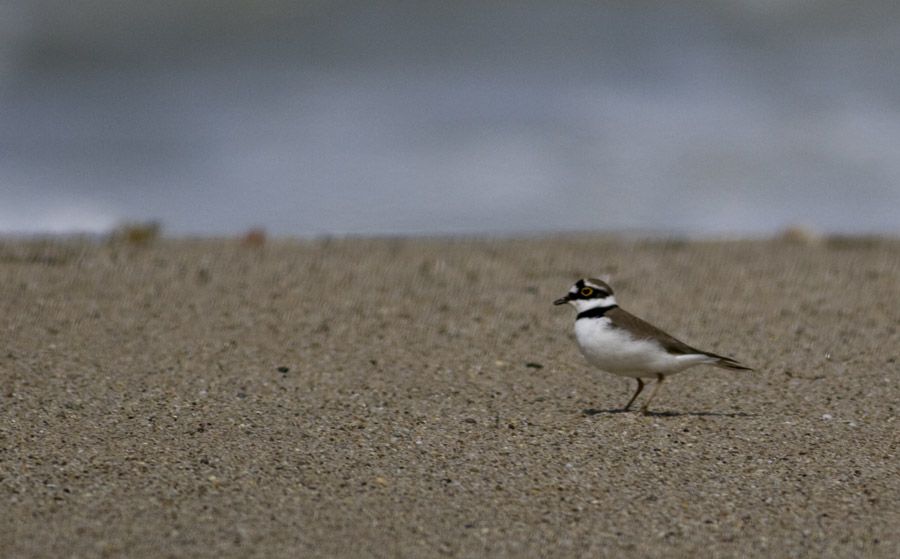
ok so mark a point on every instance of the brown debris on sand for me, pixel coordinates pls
(423, 398)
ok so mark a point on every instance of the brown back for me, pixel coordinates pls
(645, 331)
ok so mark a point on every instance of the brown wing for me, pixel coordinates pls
(643, 330)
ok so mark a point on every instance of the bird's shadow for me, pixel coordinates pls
(593, 411)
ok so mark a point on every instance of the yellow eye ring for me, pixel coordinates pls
(586, 291)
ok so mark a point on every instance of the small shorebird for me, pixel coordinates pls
(622, 344)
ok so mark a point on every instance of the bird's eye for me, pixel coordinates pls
(586, 291)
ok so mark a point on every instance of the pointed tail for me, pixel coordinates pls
(726, 362)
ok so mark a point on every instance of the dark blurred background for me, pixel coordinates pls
(735, 117)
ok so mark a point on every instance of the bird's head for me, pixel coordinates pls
(588, 293)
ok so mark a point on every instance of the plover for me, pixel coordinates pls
(622, 344)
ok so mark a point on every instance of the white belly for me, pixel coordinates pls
(616, 352)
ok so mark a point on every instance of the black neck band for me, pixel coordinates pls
(596, 312)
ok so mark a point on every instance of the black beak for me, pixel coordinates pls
(563, 300)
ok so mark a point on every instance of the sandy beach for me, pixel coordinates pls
(424, 398)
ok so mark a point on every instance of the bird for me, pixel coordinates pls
(616, 341)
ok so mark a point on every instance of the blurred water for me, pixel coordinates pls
(309, 118)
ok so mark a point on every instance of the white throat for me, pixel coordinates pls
(582, 305)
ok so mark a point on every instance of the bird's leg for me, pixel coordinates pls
(659, 381)
(631, 401)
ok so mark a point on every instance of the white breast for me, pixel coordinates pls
(615, 351)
